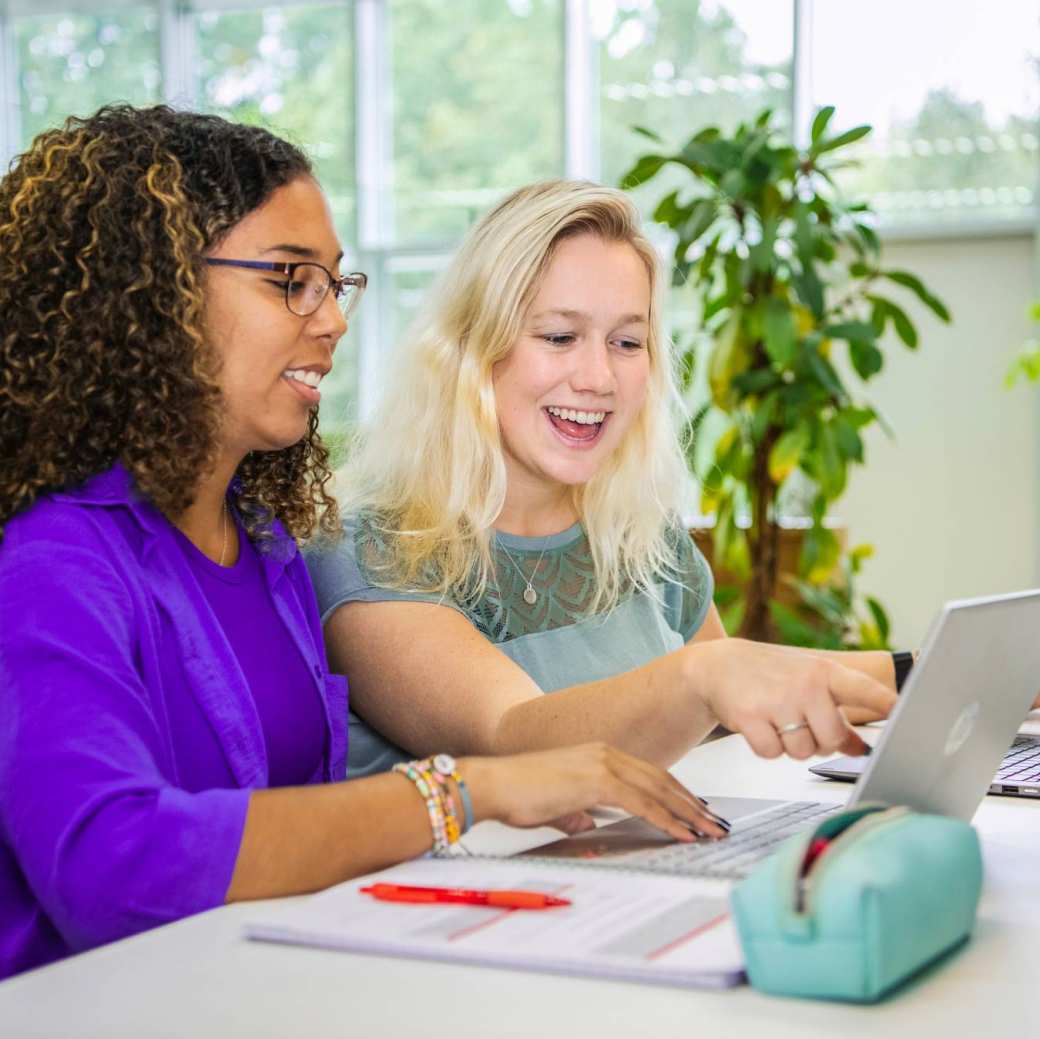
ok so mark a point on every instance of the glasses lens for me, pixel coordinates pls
(350, 294)
(306, 289)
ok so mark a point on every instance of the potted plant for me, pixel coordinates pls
(782, 270)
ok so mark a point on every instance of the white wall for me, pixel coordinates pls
(952, 506)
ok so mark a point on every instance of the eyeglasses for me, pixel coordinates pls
(308, 284)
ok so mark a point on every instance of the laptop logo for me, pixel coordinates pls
(961, 729)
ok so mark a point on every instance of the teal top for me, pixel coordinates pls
(554, 638)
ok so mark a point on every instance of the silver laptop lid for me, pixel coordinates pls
(977, 675)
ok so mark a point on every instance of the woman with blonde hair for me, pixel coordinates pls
(513, 523)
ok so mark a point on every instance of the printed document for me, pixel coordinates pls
(636, 926)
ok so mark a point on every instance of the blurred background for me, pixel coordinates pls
(421, 113)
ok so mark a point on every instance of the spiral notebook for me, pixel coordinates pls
(635, 927)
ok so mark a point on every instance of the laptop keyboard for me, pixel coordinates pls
(1022, 762)
(729, 858)
(736, 855)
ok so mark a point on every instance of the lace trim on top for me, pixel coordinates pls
(564, 581)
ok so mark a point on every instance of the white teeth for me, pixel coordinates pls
(311, 379)
(586, 418)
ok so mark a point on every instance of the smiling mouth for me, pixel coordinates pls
(577, 427)
(305, 382)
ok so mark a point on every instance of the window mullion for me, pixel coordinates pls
(10, 122)
(177, 53)
(373, 148)
(581, 113)
(801, 73)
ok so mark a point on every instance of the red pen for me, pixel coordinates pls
(461, 896)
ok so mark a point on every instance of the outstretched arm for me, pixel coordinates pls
(423, 676)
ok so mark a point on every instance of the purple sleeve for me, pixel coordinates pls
(107, 844)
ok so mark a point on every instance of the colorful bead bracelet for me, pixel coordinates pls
(430, 777)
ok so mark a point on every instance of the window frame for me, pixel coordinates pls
(375, 250)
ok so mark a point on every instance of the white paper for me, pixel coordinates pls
(670, 930)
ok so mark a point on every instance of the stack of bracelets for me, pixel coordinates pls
(430, 777)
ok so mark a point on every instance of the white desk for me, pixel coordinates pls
(199, 978)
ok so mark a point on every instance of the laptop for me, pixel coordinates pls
(974, 682)
(1017, 776)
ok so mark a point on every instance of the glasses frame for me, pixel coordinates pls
(338, 286)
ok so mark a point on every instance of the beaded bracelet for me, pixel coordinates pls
(444, 767)
(430, 777)
(438, 782)
(429, 791)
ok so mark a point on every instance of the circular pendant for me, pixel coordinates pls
(530, 596)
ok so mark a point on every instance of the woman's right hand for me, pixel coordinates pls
(547, 786)
(759, 690)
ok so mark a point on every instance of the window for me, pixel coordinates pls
(291, 68)
(72, 62)
(952, 91)
(419, 114)
(676, 66)
(476, 102)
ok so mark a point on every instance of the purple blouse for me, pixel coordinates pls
(108, 822)
(290, 713)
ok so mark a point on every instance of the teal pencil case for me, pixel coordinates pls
(859, 904)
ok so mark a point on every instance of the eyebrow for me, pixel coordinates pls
(303, 251)
(626, 319)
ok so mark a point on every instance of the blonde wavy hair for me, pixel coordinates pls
(428, 469)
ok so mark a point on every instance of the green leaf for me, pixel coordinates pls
(870, 238)
(850, 443)
(878, 314)
(867, 359)
(877, 611)
(731, 603)
(794, 631)
(778, 327)
(820, 552)
(691, 431)
(825, 373)
(646, 166)
(730, 356)
(830, 464)
(700, 217)
(668, 210)
(819, 123)
(733, 183)
(756, 380)
(810, 290)
(903, 325)
(787, 453)
(763, 416)
(853, 331)
(916, 286)
(1026, 365)
(646, 132)
(731, 547)
(714, 306)
(843, 139)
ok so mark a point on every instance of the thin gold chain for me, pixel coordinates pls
(224, 528)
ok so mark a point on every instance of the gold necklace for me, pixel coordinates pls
(224, 528)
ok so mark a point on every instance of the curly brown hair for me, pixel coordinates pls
(103, 226)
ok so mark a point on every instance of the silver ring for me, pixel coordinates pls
(786, 730)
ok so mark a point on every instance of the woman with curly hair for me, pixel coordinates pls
(170, 737)
(514, 524)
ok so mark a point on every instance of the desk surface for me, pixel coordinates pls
(200, 978)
